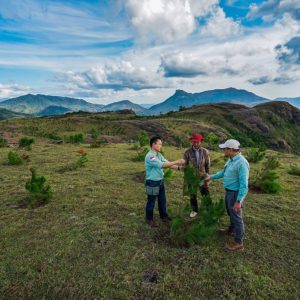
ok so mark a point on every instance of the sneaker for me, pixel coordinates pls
(151, 223)
(166, 219)
(193, 214)
(234, 246)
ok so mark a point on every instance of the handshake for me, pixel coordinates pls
(180, 162)
(207, 177)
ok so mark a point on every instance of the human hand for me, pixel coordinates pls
(180, 162)
(207, 177)
(237, 206)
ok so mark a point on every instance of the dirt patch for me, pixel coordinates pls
(150, 277)
(139, 177)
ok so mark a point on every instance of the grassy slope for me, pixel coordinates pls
(275, 125)
(90, 241)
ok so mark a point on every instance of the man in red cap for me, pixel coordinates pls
(199, 158)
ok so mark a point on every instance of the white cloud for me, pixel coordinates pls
(271, 9)
(161, 20)
(220, 26)
(251, 57)
(13, 90)
(166, 20)
(115, 76)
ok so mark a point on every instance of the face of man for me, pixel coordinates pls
(157, 146)
(229, 152)
(196, 145)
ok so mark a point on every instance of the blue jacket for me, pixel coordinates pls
(153, 164)
(235, 175)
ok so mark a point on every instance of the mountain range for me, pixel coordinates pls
(34, 104)
(184, 99)
(45, 105)
(292, 101)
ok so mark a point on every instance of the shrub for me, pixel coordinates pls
(186, 232)
(14, 159)
(294, 170)
(144, 139)
(40, 193)
(181, 143)
(53, 136)
(99, 143)
(212, 140)
(75, 138)
(26, 142)
(268, 183)
(185, 143)
(141, 155)
(168, 174)
(94, 134)
(272, 163)
(81, 161)
(3, 142)
(266, 179)
(255, 155)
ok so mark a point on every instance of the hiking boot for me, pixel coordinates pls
(193, 214)
(234, 246)
(151, 223)
(166, 219)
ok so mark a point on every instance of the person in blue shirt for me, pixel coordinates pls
(154, 184)
(235, 180)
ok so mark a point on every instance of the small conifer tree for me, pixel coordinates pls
(266, 178)
(255, 155)
(144, 139)
(186, 232)
(3, 142)
(14, 159)
(26, 143)
(40, 193)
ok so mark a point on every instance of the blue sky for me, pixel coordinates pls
(143, 50)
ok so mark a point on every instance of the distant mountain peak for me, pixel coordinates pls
(181, 93)
(123, 102)
(183, 98)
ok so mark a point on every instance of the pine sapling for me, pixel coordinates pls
(26, 143)
(40, 193)
(14, 159)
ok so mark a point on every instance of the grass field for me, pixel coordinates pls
(91, 242)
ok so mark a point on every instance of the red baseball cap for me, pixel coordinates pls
(196, 137)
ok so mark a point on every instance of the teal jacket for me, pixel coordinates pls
(153, 164)
(235, 175)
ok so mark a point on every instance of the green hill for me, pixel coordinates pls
(124, 104)
(53, 110)
(33, 104)
(275, 124)
(7, 114)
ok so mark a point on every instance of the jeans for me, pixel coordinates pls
(194, 203)
(236, 218)
(162, 201)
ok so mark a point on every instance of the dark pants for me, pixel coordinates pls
(162, 203)
(194, 203)
(236, 218)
